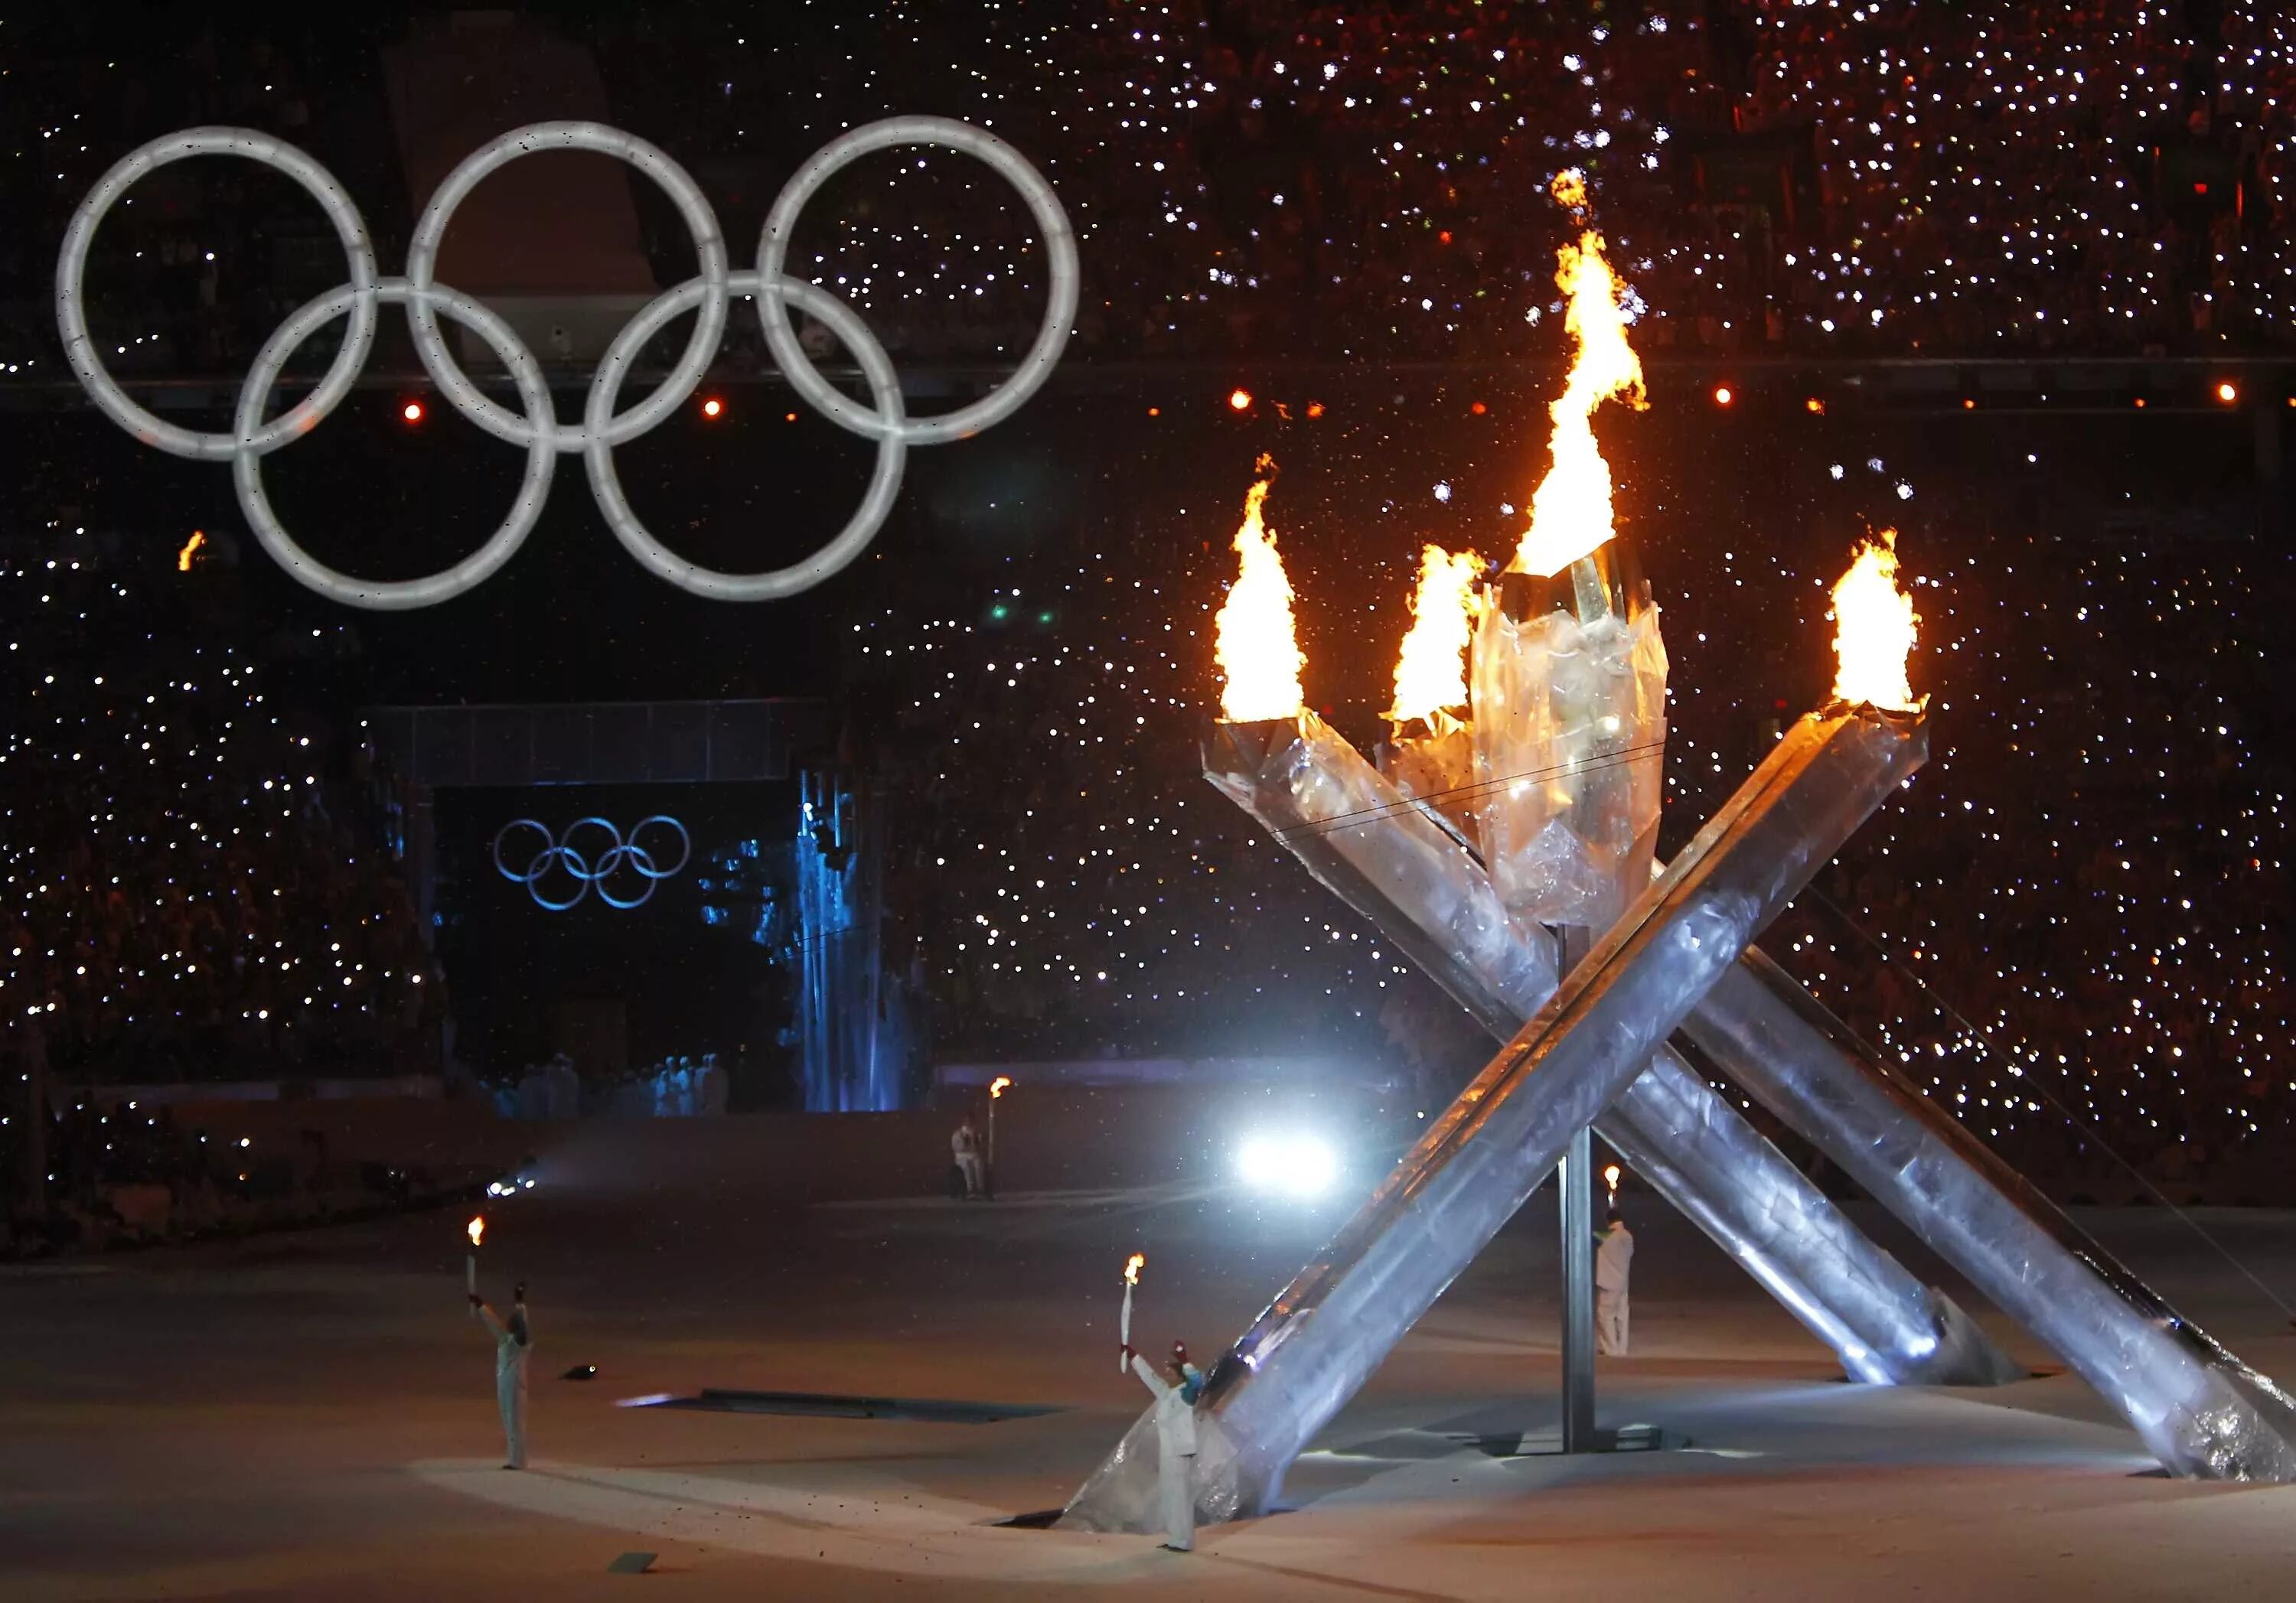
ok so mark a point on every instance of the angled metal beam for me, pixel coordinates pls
(2200, 1409)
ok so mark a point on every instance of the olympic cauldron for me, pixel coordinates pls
(1591, 1050)
(535, 427)
(1529, 799)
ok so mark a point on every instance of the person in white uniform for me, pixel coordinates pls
(966, 1147)
(1175, 1443)
(1614, 1257)
(513, 1345)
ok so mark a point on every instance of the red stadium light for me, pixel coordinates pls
(713, 408)
(1723, 395)
(412, 411)
(2227, 391)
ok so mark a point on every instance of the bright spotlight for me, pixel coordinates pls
(1722, 395)
(412, 411)
(1239, 400)
(2228, 392)
(1290, 1165)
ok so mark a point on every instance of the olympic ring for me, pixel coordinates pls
(885, 420)
(554, 852)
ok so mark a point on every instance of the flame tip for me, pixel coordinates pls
(1431, 674)
(1257, 644)
(1874, 631)
(1571, 512)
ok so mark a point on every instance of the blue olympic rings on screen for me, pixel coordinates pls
(593, 867)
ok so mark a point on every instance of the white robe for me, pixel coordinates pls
(1612, 1261)
(1175, 1446)
(510, 1387)
(966, 1147)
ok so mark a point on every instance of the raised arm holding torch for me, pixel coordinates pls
(478, 1228)
(1124, 1321)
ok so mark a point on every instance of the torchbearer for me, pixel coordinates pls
(513, 1345)
(1614, 1257)
(1176, 1442)
(964, 1146)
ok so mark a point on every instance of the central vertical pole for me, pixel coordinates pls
(1574, 1213)
(1573, 1175)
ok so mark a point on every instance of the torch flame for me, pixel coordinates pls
(191, 549)
(478, 1228)
(1258, 647)
(1570, 514)
(1610, 1177)
(1431, 674)
(1873, 630)
(1132, 1268)
(996, 1086)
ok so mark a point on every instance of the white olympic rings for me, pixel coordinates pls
(556, 853)
(535, 427)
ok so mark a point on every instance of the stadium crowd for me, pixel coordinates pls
(183, 895)
(2077, 910)
(1330, 180)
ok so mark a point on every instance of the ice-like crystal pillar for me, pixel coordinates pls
(2200, 1409)
(1324, 1334)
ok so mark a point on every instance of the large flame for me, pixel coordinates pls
(1570, 514)
(998, 1086)
(1431, 676)
(1873, 630)
(1258, 647)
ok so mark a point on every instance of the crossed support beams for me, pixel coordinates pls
(1316, 1343)
(2195, 1405)
(1355, 832)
